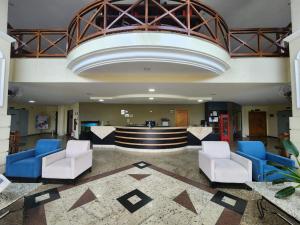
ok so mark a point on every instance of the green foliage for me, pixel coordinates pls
(291, 174)
(285, 192)
(290, 148)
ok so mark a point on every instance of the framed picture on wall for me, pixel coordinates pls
(42, 122)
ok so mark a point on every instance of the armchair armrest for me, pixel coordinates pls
(20, 155)
(257, 166)
(281, 160)
(47, 160)
(81, 162)
(41, 156)
(244, 162)
(207, 165)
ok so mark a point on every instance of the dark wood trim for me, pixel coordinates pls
(156, 145)
(192, 18)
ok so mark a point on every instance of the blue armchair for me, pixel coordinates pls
(256, 152)
(28, 164)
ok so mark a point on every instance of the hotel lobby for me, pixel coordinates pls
(149, 112)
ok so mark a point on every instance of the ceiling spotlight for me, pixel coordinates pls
(200, 100)
(151, 90)
(31, 101)
(101, 100)
(151, 98)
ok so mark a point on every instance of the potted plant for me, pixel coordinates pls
(291, 174)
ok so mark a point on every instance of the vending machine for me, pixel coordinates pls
(224, 125)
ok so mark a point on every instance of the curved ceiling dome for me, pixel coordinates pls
(154, 47)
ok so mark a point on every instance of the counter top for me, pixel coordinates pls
(152, 128)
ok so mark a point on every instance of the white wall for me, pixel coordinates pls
(294, 51)
(112, 113)
(3, 15)
(243, 70)
(5, 43)
(272, 125)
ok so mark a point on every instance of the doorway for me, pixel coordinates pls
(257, 124)
(19, 121)
(69, 122)
(283, 121)
(181, 118)
(56, 122)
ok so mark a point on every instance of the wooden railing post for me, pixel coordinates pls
(104, 17)
(77, 30)
(259, 47)
(146, 2)
(189, 17)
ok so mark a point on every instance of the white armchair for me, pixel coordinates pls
(69, 163)
(221, 165)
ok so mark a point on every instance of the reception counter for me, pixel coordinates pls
(156, 138)
(151, 138)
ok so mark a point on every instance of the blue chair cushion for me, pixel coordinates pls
(46, 145)
(274, 176)
(253, 148)
(28, 167)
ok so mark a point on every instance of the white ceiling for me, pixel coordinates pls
(237, 13)
(69, 93)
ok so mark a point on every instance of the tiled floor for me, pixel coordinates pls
(155, 186)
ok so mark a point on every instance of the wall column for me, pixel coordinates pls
(294, 43)
(61, 121)
(5, 44)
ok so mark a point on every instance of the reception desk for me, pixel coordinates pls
(151, 138)
(156, 138)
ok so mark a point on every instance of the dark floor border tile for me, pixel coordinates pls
(95, 177)
(239, 206)
(185, 180)
(134, 207)
(229, 217)
(141, 166)
(30, 202)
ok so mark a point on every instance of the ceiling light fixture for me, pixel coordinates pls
(151, 98)
(31, 101)
(101, 100)
(200, 100)
(151, 90)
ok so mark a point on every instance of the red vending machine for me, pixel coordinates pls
(224, 127)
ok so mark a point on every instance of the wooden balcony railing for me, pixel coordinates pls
(258, 42)
(188, 17)
(39, 43)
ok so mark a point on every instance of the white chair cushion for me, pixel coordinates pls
(59, 169)
(228, 171)
(216, 149)
(75, 148)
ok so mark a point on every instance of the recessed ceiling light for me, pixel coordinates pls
(31, 101)
(101, 100)
(200, 100)
(151, 98)
(151, 90)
